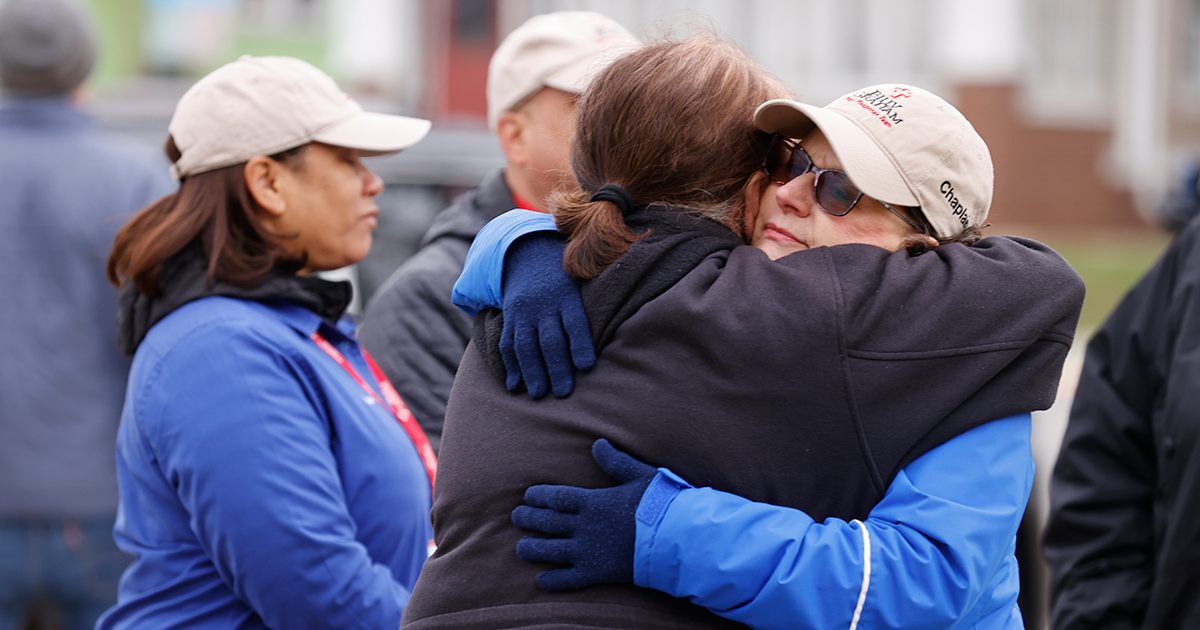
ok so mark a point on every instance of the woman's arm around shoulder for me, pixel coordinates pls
(936, 549)
(482, 281)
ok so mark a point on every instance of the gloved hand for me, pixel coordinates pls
(546, 334)
(590, 531)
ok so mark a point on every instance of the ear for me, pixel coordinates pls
(755, 187)
(510, 129)
(262, 176)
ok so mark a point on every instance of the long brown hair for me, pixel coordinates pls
(672, 123)
(212, 210)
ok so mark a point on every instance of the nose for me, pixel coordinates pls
(797, 196)
(372, 184)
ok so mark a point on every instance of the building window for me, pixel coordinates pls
(1072, 60)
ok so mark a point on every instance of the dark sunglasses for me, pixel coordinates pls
(835, 193)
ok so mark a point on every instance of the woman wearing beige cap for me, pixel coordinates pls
(269, 476)
(853, 380)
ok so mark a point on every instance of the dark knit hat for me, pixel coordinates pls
(46, 46)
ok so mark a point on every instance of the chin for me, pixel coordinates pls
(345, 260)
(775, 250)
(359, 251)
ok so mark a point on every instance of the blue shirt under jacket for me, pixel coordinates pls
(260, 485)
(938, 551)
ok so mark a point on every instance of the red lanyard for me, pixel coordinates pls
(394, 402)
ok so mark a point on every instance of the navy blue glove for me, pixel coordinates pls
(590, 531)
(546, 335)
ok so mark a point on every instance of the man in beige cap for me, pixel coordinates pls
(534, 79)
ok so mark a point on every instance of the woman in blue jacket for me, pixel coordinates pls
(269, 475)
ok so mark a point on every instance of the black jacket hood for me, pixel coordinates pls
(184, 279)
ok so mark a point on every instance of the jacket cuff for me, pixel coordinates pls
(481, 283)
(655, 502)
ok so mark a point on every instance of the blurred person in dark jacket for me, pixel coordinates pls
(1123, 537)
(65, 188)
(1182, 203)
(534, 79)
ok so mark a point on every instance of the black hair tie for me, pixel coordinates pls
(617, 195)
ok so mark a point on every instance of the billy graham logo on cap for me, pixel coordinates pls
(885, 107)
(902, 145)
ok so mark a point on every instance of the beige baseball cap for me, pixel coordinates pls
(562, 50)
(264, 105)
(902, 145)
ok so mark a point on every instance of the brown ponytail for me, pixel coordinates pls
(596, 233)
(671, 123)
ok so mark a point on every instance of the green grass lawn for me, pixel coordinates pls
(1109, 263)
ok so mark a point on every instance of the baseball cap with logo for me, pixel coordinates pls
(901, 145)
(562, 50)
(265, 105)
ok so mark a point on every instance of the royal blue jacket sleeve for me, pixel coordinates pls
(936, 552)
(481, 284)
(252, 466)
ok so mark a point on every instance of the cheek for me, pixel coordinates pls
(557, 142)
(760, 221)
(866, 228)
(556, 151)
(768, 207)
(343, 203)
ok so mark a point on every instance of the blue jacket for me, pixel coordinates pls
(260, 485)
(65, 189)
(937, 551)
